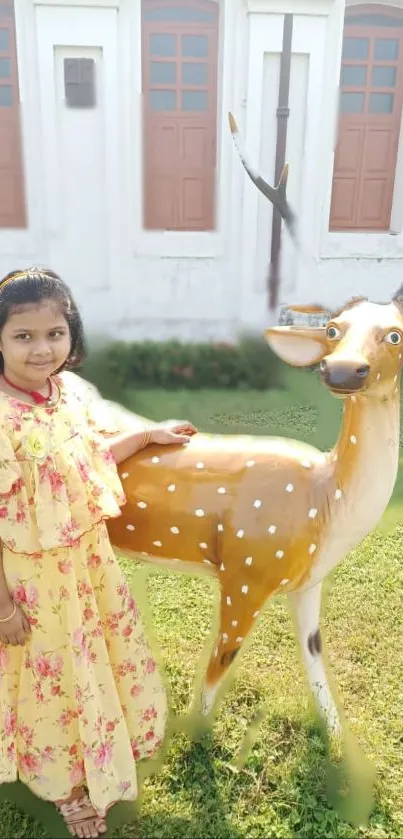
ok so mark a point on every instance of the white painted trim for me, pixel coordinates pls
(309, 38)
(108, 4)
(184, 244)
(56, 26)
(296, 7)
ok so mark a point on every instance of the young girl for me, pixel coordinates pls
(80, 695)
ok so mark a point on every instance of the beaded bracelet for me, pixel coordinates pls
(10, 617)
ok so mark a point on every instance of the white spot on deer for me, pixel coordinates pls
(378, 376)
(312, 548)
(199, 513)
(248, 560)
(207, 562)
(157, 544)
(200, 465)
(257, 503)
(229, 601)
(250, 463)
(130, 527)
(172, 488)
(338, 494)
(306, 464)
(125, 475)
(272, 529)
(239, 639)
(175, 530)
(312, 513)
(224, 637)
(284, 582)
(155, 459)
(289, 488)
(240, 534)
(279, 554)
(203, 545)
(255, 614)
(353, 439)
(142, 505)
(234, 623)
(222, 567)
(221, 490)
(220, 528)
(245, 589)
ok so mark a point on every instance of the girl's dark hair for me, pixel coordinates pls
(36, 285)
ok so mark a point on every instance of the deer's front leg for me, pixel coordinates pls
(306, 608)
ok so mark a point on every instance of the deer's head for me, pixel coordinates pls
(359, 350)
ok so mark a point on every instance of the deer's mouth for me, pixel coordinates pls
(344, 392)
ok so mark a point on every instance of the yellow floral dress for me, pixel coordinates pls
(83, 700)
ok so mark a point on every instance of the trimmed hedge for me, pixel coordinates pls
(249, 364)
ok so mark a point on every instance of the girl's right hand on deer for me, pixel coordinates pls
(16, 630)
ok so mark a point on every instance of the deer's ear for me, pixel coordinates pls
(299, 346)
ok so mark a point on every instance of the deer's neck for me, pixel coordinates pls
(366, 455)
(362, 474)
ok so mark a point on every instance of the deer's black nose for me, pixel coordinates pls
(343, 375)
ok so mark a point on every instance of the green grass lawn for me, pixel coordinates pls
(263, 769)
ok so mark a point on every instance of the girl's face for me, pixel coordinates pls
(35, 341)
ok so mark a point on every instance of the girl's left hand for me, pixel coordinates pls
(173, 431)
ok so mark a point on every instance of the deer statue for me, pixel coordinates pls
(266, 515)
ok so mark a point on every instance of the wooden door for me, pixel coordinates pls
(12, 201)
(179, 107)
(369, 126)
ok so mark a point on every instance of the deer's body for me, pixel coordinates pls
(270, 496)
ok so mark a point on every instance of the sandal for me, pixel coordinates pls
(80, 818)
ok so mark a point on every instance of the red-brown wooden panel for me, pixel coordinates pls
(374, 200)
(344, 200)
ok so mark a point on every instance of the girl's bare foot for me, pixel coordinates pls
(80, 817)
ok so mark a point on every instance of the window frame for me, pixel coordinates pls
(179, 245)
(352, 243)
(179, 118)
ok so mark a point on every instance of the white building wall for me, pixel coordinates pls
(84, 182)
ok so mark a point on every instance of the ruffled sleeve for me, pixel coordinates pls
(103, 416)
(14, 499)
(11, 478)
(58, 477)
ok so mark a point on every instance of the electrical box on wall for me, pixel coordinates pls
(79, 82)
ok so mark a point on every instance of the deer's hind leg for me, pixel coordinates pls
(306, 608)
(239, 609)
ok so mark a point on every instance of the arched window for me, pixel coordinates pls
(179, 47)
(371, 96)
(12, 204)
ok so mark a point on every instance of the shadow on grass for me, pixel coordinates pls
(194, 777)
(322, 795)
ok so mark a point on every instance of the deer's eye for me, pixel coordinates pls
(393, 337)
(333, 333)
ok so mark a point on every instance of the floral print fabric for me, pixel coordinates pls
(57, 474)
(83, 700)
